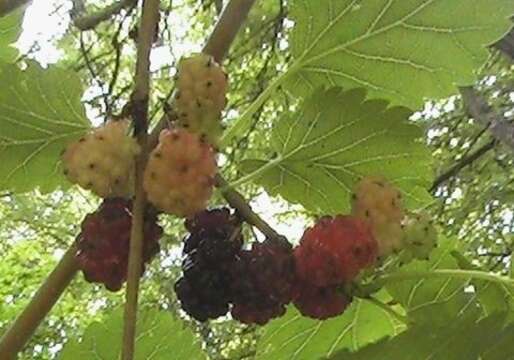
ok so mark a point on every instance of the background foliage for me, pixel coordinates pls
(289, 139)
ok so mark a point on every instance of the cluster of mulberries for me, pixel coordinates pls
(257, 284)
(179, 175)
(220, 276)
(103, 244)
(178, 179)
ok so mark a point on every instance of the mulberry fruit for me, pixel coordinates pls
(103, 244)
(419, 236)
(179, 175)
(210, 252)
(103, 160)
(263, 282)
(380, 204)
(202, 301)
(201, 96)
(335, 250)
(320, 302)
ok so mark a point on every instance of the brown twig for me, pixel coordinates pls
(237, 201)
(506, 44)
(466, 161)
(27, 322)
(90, 21)
(139, 106)
(7, 6)
(480, 110)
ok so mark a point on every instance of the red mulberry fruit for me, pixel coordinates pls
(335, 250)
(103, 244)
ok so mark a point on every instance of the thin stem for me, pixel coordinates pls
(455, 273)
(45, 298)
(464, 162)
(244, 121)
(499, 127)
(237, 201)
(90, 21)
(149, 19)
(219, 42)
(401, 318)
(255, 174)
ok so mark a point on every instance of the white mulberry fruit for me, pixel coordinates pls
(179, 175)
(380, 204)
(201, 96)
(103, 160)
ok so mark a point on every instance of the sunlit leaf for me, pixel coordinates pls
(404, 51)
(159, 337)
(40, 112)
(336, 138)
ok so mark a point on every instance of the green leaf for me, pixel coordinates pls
(404, 51)
(503, 349)
(493, 297)
(335, 139)
(296, 337)
(159, 337)
(461, 338)
(434, 300)
(10, 29)
(40, 112)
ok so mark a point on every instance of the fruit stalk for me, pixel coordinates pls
(150, 17)
(237, 201)
(27, 322)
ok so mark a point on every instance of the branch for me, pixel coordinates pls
(480, 110)
(7, 6)
(90, 21)
(466, 161)
(227, 28)
(139, 107)
(219, 42)
(237, 201)
(506, 44)
(27, 322)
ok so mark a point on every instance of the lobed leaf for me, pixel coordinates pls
(335, 139)
(296, 337)
(40, 113)
(159, 337)
(403, 51)
(460, 338)
(434, 300)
